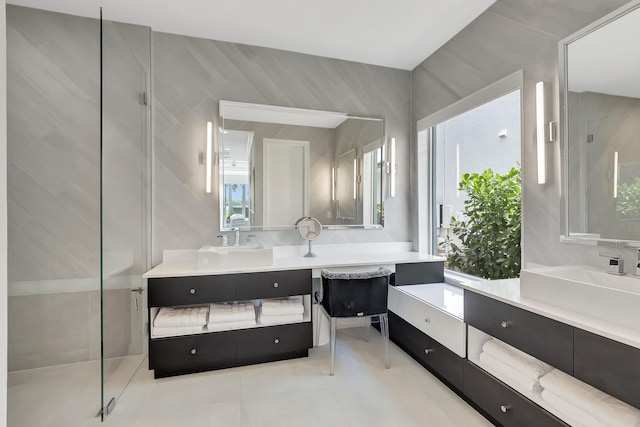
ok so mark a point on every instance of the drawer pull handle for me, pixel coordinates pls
(505, 323)
(428, 350)
(194, 351)
(276, 341)
(275, 285)
(427, 320)
(192, 291)
(505, 408)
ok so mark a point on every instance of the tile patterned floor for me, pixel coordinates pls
(296, 393)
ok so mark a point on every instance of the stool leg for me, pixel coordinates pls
(333, 344)
(384, 326)
(367, 323)
(317, 331)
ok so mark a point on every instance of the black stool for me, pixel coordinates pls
(355, 294)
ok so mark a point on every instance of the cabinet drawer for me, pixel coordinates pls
(502, 403)
(193, 353)
(444, 328)
(541, 337)
(274, 340)
(426, 350)
(418, 273)
(608, 365)
(273, 284)
(172, 291)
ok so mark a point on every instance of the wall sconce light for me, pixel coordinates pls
(540, 136)
(458, 178)
(209, 155)
(333, 184)
(615, 174)
(355, 179)
(391, 170)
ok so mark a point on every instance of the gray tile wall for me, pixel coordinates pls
(192, 75)
(512, 35)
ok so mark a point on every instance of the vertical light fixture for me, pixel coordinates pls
(333, 183)
(540, 139)
(615, 174)
(355, 182)
(458, 170)
(208, 160)
(392, 168)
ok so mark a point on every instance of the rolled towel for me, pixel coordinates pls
(528, 365)
(169, 331)
(574, 415)
(499, 368)
(282, 306)
(177, 317)
(230, 326)
(236, 312)
(266, 319)
(607, 409)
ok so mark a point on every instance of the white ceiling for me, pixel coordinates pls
(397, 34)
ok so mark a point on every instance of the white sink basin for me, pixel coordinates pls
(234, 256)
(582, 289)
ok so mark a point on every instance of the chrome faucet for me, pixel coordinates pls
(616, 264)
(225, 240)
(237, 231)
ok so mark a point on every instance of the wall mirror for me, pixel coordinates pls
(600, 96)
(278, 164)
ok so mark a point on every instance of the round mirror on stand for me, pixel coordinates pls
(309, 229)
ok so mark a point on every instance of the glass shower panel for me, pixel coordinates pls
(124, 203)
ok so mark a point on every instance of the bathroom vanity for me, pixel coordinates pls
(180, 283)
(443, 326)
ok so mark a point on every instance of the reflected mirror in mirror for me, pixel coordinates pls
(278, 164)
(602, 129)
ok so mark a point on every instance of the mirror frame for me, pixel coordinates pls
(563, 45)
(295, 110)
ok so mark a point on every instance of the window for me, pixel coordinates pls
(480, 133)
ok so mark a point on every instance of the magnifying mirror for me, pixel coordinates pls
(309, 229)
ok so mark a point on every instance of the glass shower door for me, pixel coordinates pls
(124, 203)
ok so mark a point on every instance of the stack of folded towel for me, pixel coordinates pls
(278, 311)
(179, 321)
(509, 362)
(584, 405)
(229, 316)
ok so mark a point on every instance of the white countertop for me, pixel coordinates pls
(291, 258)
(508, 291)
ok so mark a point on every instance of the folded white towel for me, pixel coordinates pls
(266, 319)
(236, 312)
(607, 409)
(529, 366)
(573, 414)
(230, 326)
(282, 306)
(499, 368)
(176, 317)
(169, 331)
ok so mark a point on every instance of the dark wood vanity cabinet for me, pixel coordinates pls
(502, 403)
(418, 273)
(539, 336)
(215, 350)
(608, 365)
(428, 352)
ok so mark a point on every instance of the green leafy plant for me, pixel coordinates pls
(489, 231)
(628, 201)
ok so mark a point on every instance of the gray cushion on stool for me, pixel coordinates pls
(355, 275)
